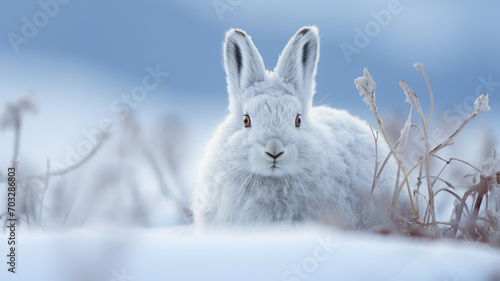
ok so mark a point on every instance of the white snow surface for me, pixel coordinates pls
(300, 253)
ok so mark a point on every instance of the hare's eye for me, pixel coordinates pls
(246, 121)
(298, 121)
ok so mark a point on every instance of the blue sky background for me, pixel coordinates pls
(91, 52)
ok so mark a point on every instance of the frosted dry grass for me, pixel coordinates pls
(106, 185)
(476, 214)
(11, 116)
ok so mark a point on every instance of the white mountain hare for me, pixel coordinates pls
(278, 159)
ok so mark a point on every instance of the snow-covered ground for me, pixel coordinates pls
(302, 253)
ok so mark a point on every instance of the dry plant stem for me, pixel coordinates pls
(450, 192)
(157, 171)
(428, 172)
(426, 214)
(419, 183)
(486, 206)
(427, 204)
(376, 174)
(383, 165)
(453, 136)
(43, 192)
(439, 222)
(419, 130)
(375, 179)
(73, 167)
(444, 181)
(440, 146)
(412, 98)
(472, 228)
(85, 159)
(449, 184)
(398, 173)
(69, 207)
(399, 161)
(457, 159)
(17, 130)
(439, 174)
(395, 195)
(481, 191)
(458, 217)
(431, 95)
(483, 234)
(164, 188)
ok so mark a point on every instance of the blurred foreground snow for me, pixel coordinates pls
(305, 253)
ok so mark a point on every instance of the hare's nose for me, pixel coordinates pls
(275, 156)
(274, 148)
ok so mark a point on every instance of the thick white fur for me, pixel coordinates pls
(326, 170)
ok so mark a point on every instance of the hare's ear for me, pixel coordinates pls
(298, 62)
(242, 62)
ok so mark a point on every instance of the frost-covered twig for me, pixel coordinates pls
(456, 159)
(400, 147)
(481, 190)
(450, 192)
(412, 99)
(43, 191)
(403, 137)
(75, 166)
(461, 206)
(481, 104)
(366, 87)
(375, 178)
(11, 116)
(419, 181)
(420, 66)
